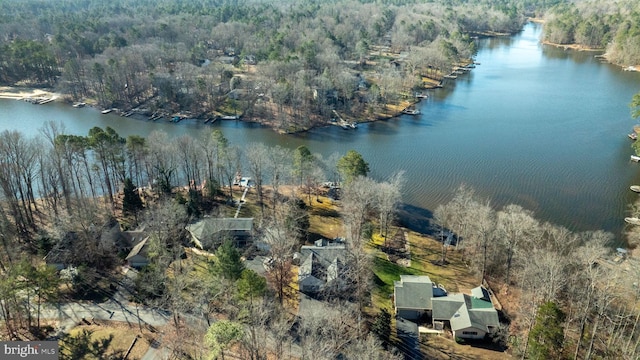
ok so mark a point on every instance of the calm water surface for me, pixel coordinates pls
(532, 125)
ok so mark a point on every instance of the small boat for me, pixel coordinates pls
(632, 220)
(422, 96)
(353, 125)
(79, 105)
(106, 111)
(635, 158)
(635, 188)
(411, 111)
(633, 136)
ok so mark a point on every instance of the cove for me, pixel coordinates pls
(533, 125)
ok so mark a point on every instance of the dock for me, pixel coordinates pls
(45, 101)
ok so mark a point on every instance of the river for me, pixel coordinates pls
(532, 125)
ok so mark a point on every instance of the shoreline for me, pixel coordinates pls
(22, 93)
(26, 93)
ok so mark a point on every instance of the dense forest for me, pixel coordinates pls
(613, 26)
(290, 64)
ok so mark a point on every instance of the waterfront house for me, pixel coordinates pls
(209, 233)
(468, 316)
(322, 268)
(412, 296)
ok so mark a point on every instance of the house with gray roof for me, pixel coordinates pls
(322, 267)
(209, 233)
(412, 296)
(469, 316)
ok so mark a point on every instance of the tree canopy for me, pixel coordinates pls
(352, 165)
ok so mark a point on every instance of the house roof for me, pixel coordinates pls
(413, 292)
(321, 264)
(310, 280)
(481, 293)
(462, 320)
(325, 255)
(464, 311)
(209, 226)
(444, 307)
(139, 249)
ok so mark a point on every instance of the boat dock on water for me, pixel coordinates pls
(411, 111)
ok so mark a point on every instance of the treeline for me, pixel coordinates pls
(613, 26)
(589, 300)
(312, 57)
(56, 173)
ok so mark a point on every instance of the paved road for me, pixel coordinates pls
(118, 308)
(110, 310)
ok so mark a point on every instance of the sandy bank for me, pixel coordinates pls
(19, 93)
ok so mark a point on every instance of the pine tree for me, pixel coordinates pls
(547, 335)
(131, 202)
(228, 262)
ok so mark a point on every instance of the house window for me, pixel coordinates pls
(469, 333)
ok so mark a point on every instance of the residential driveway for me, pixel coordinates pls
(256, 264)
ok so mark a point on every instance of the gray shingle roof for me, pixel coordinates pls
(444, 307)
(413, 292)
(459, 309)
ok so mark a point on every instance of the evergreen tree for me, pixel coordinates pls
(251, 285)
(547, 335)
(220, 335)
(352, 165)
(228, 263)
(131, 202)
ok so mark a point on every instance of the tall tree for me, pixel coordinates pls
(547, 335)
(221, 335)
(388, 195)
(131, 202)
(352, 165)
(302, 162)
(258, 156)
(228, 263)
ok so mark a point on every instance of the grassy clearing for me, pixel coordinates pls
(324, 219)
(113, 338)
